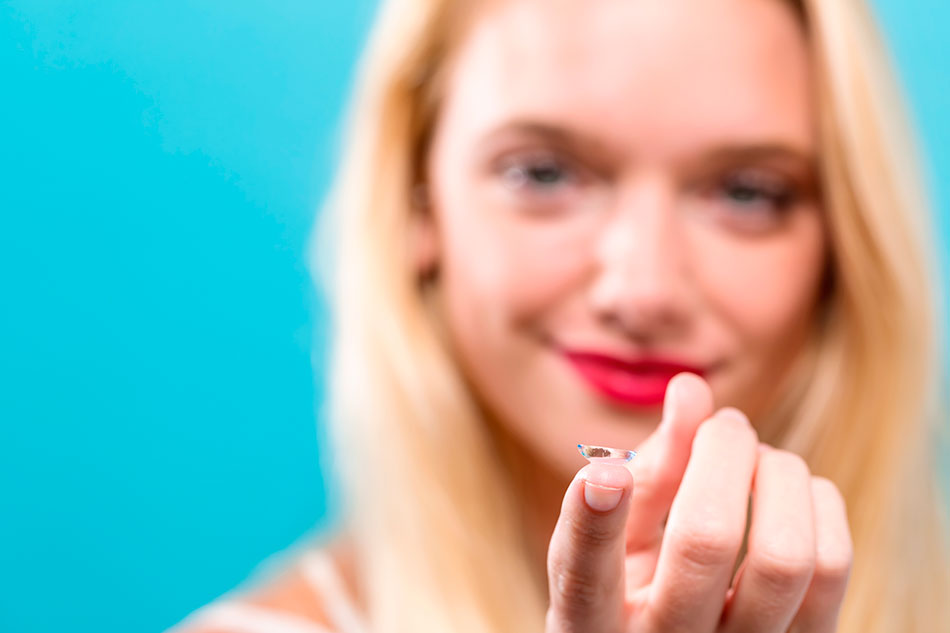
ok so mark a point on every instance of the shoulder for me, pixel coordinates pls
(315, 593)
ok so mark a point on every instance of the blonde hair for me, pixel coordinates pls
(427, 504)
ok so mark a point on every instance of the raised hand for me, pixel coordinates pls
(659, 557)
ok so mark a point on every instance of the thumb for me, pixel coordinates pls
(662, 458)
(586, 553)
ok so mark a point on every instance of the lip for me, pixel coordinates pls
(635, 382)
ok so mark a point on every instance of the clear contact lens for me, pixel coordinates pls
(602, 454)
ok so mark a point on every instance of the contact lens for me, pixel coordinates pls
(606, 455)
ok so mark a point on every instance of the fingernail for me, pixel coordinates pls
(601, 498)
(604, 484)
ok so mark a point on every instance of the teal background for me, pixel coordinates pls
(161, 165)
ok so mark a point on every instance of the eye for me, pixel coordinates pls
(541, 173)
(752, 192)
(749, 200)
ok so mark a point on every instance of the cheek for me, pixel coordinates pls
(502, 279)
(507, 271)
(766, 289)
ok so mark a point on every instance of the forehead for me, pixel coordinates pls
(657, 77)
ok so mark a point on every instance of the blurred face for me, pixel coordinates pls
(620, 191)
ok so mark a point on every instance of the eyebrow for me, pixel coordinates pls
(575, 140)
(595, 147)
(760, 151)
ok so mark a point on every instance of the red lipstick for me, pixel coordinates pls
(636, 382)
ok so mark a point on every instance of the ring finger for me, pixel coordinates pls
(781, 554)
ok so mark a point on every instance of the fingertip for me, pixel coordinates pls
(697, 389)
(688, 397)
(605, 485)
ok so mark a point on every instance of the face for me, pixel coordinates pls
(619, 191)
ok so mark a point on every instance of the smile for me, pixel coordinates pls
(637, 383)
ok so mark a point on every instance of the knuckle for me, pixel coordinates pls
(783, 570)
(836, 549)
(833, 571)
(573, 588)
(729, 425)
(709, 544)
(590, 535)
(827, 489)
(788, 461)
(575, 584)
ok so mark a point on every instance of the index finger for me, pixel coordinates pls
(586, 553)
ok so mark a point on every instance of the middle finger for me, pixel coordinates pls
(705, 527)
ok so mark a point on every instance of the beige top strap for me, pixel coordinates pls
(321, 573)
(238, 617)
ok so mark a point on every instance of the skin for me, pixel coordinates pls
(639, 178)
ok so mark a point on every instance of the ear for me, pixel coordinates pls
(423, 235)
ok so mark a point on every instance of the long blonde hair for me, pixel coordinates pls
(427, 503)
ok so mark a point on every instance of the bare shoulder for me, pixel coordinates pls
(303, 597)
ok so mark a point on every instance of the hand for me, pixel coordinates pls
(617, 564)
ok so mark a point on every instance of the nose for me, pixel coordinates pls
(639, 287)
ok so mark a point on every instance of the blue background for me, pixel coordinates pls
(161, 165)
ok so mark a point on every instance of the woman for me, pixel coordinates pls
(545, 212)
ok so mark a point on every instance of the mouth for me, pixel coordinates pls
(638, 383)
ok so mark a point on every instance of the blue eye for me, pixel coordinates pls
(749, 193)
(543, 174)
